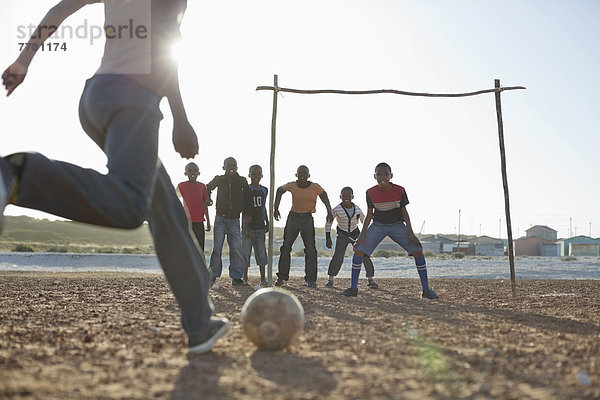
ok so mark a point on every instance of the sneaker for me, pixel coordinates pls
(279, 282)
(373, 285)
(214, 284)
(350, 292)
(329, 284)
(8, 188)
(204, 340)
(264, 283)
(429, 294)
(237, 282)
(310, 284)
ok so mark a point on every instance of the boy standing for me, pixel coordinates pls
(194, 196)
(119, 110)
(255, 230)
(300, 221)
(347, 214)
(232, 199)
(387, 208)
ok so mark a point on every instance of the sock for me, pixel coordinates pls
(356, 266)
(330, 278)
(422, 270)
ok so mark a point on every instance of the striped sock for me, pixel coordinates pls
(356, 267)
(422, 270)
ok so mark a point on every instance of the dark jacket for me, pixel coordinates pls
(233, 195)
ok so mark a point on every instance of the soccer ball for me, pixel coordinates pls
(272, 318)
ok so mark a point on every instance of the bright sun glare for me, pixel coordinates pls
(177, 52)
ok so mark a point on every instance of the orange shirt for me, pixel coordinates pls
(304, 200)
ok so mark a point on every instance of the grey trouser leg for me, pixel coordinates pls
(123, 118)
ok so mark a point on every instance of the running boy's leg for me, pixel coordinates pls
(125, 126)
(184, 266)
(290, 233)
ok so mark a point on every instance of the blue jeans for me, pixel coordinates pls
(377, 231)
(123, 118)
(257, 240)
(230, 228)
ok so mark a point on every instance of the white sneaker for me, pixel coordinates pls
(203, 341)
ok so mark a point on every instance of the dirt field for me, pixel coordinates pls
(113, 336)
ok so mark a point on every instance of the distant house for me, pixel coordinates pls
(389, 244)
(530, 245)
(487, 246)
(541, 231)
(580, 246)
(435, 243)
(549, 249)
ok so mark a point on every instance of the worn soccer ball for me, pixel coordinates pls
(272, 318)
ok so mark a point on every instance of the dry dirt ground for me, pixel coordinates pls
(117, 336)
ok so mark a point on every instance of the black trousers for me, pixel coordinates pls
(341, 244)
(304, 225)
(198, 229)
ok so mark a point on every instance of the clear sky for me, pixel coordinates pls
(443, 151)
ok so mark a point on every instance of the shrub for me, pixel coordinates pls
(58, 249)
(387, 253)
(23, 248)
(429, 253)
(458, 255)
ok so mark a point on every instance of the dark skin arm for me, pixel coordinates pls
(278, 194)
(15, 74)
(412, 238)
(325, 199)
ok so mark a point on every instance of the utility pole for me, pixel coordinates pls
(459, 228)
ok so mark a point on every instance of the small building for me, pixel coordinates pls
(541, 231)
(578, 247)
(487, 246)
(435, 243)
(549, 249)
(583, 249)
(529, 245)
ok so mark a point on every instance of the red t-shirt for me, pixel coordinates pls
(387, 203)
(194, 195)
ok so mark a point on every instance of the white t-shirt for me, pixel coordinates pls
(127, 29)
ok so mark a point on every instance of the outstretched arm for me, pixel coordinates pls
(15, 74)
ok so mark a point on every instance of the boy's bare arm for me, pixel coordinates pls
(278, 194)
(207, 219)
(15, 74)
(325, 199)
(412, 238)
